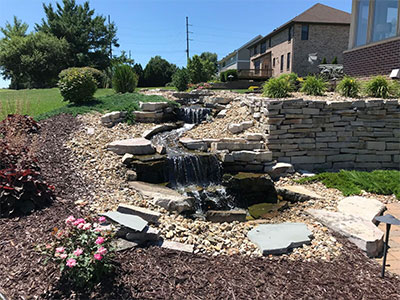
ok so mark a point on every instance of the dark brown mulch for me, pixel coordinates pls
(156, 273)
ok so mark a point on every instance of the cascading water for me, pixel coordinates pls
(193, 114)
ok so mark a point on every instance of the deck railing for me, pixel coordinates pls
(254, 73)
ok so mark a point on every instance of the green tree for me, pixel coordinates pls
(200, 70)
(180, 79)
(17, 29)
(88, 35)
(158, 72)
(32, 61)
(212, 57)
(137, 68)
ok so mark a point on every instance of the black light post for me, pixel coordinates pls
(389, 220)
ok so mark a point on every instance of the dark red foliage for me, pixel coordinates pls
(18, 124)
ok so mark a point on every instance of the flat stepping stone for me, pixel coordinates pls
(297, 193)
(365, 208)
(138, 146)
(146, 214)
(361, 232)
(221, 216)
(152, 106)
(177, 246)
(267, 210)
(280, 238)
(132, 222)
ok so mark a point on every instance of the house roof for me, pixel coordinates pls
(319, 13)
(253, 40)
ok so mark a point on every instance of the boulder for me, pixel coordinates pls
(153, 106)
(247, 124)
(131, 175)
(365, 208)
(279, 169)
(165, 197)
(361, 232)
(220, 100)
(146, 214)
(235, 128)
(222, 114)
(297, 193)
(133, 146)
(148, 116)
(148, 235)
(150, 168)
(148, 134)
(127, 158)
(280, 238)
(221, 216)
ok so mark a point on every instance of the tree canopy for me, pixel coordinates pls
(158, 72)
(200, 70)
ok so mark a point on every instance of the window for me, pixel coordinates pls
(385, 19)
(290, 31)
(288, 61)
(273, 62)
(257, 66)
(362, 22)
(263, 47)
(304, 32)
(256, 50)
(282, 62)
(269, 43)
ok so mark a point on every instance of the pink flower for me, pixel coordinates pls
(71, 262)
(100, 240)
(102, 219)
(98, 256)
(102, 250)
(87, 226)
(98, 229)
(63, 256)
(78, 252)
(80, 226)
(70, 219)
(60, 249)
(79, 221)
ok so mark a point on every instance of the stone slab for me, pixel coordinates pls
(361, 232)
(365, 208)
(146, 214)
(152, 106)
(297, 193)
(139, 146)
(280, 238)
(221, 216)
(129, 221)
(148, 134)
(122, 244)
(279, 169)
(177, 246)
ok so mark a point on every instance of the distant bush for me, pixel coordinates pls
(125, 79)
(378, 87)
(334, 61)
(77, 85)
(222, 76)
(232, 73)
(324, 61)
(277, 88)
(349, 87)
(181, 79)
(314, 86)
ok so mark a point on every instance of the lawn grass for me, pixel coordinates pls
(384, 182)
(35, 102)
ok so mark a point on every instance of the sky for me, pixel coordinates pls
(158, 27)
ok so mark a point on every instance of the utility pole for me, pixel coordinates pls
(187, 37)
(109, 30)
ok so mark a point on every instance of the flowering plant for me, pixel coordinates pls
(83, 249)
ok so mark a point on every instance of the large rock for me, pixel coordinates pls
(361, 232)
(235, 128)
(146, 214)
(148, 134)
(132, 222)
(167, 198)
(297, 193)
(250, 188)
(267, 210)
(280, 238)
(192, 144)
(177, 246)
(133, 146)
(150, 168)
(250, 156)
(365, 208)
(148, 116)
(221, 216)
(278, 169)
(153, 106)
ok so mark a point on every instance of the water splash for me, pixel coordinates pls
(193, 114)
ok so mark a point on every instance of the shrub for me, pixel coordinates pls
(349, 87)
(277, 88)
(124, 80)
(98, 76)
(22, 191)
(395, 89)
(83, 250)
(324, 61)
(233, 73)
(77, 85)
(378, 87)
(222, 76)
(180, 79)
(314, 86)
(293, 80)
(334, 61)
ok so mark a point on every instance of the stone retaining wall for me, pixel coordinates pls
(322, 135)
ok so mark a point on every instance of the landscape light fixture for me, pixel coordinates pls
(389, 220)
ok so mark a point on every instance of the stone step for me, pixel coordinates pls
(150, 216)
(131, 222)
(221, 216)
(365, 208)
(297, 193)
(236, 146)
(132, 146)
(148, 134)
(152, 106)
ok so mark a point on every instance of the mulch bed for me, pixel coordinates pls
(156, 273)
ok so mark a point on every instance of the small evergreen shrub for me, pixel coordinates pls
(378, 87)
(324, 61)
(349, 87)
(334, 61)
(222, 77)
(77, 85)
(180, 79)
(277, 88)
(124, 79)
(314, 86)
(98, 76)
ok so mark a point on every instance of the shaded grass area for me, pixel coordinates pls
(383, 182)
(113, 102)
(35, 102)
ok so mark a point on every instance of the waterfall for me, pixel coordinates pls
(193, 114)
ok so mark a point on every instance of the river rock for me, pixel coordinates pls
(297, 193)
(153, 106)
(221, 216)
(361, 232)
(133, 146)
(365, 208)
(165, 197)
(280, 238)
(146, 214)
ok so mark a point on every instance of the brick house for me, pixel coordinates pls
(374, 44)
(301, 44)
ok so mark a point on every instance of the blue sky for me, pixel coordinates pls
(157, 27)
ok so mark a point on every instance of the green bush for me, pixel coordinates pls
(349, 87)
(124, 80)
(293, 80)
(324, 61)
(395, 89)
(222, 76)
(233, 73)
(180, 79)
(77, 85)
(334, 61)
(314, 86)
(378, 87)
(277, 88)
